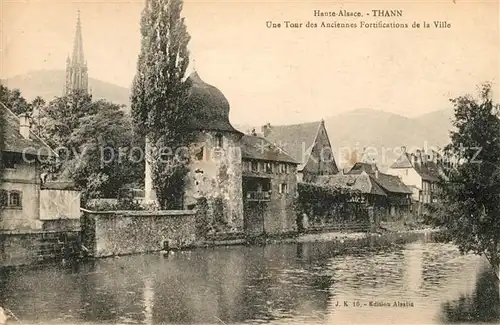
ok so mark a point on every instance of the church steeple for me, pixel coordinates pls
(77, 56)
(76, 67)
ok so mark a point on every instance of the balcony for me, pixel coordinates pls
(258, 196)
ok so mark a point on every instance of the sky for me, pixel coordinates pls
(277, 75)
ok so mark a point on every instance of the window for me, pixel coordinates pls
(199, 154)
(255, 166)
(268, 167)
(282, 168)
(218, 140)
(283, 188)
(14, 199)
(10, 160)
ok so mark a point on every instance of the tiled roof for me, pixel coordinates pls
(360, 182)
(15, 142)
(392, 183)
(256, 147)
(388, 182)
(429, 171)
(297, 139)
(359, 167)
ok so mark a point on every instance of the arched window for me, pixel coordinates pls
(15, 199)
(218, 140)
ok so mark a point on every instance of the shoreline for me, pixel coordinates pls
(337, 237)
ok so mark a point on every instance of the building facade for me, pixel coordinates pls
(39, 220)
(397, 194)
(29, 204)
(245, 186)
(306, 143)
(76, 66)
(269, 188)
(420, 171)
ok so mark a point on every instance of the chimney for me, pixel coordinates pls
(24, 125)
(413, 159)
(266, 129)
(403, 149)
(376, 173)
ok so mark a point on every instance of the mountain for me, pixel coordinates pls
(49, 84)
(382, 134)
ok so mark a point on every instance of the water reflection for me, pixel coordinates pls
(290, 283)
(482, 305)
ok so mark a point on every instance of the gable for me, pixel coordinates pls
(15, 142)
(296, 140)
(404, 161)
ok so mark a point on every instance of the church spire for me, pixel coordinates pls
(77, 57)
(76, 67)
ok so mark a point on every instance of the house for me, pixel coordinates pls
(366, 203)
(306, 143)
(269, 187)
(246, 183)
(420, 171)
(31, 207)
(397, 193)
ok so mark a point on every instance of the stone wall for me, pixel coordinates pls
(216, 176)
(35, 247)
(130, 232)
(280, 216)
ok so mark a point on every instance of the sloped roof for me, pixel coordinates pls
(427, 169)
(404, 161)
(391, 183)
(359, 167)
(360, 182)
(256, 147)
(295, 139)
(388, 182)
(15, 142)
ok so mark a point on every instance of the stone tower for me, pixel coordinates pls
(76, 67)
(216, 167)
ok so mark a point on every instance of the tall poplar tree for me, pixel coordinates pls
(2, 146)
(159, 91)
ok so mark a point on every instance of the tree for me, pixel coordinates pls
(159, 91)
(95, 142)
(105, 160)
(2, 146)
(470, 191)
(62, 115)
(14, 100)
(37, 105)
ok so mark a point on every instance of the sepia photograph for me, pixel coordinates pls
(236, 162)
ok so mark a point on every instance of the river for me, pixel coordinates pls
(299, 283)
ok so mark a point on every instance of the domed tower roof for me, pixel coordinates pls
(210, 106)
